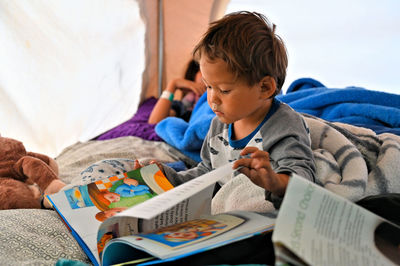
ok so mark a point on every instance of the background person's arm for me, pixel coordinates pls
(163, 106)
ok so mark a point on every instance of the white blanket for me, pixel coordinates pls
(351, 161)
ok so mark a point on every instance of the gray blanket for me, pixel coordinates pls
(353, 162)
(77, 157)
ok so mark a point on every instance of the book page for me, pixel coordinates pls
(188, 209)
(169, 199)
(125, 224)
(187, 233)
(199, 235)
(323, 228)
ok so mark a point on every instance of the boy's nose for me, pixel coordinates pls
(213, 97)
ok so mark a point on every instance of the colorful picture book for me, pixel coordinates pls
(84, 208)
(139, 216)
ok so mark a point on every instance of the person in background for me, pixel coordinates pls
(191, 86)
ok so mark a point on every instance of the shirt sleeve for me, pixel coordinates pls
(177, 178)
(289, 147)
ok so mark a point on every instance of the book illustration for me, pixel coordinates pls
(114, 194)
(121, 195)
(186, 233)
(174, 242)
(107, 236)
(78, 197)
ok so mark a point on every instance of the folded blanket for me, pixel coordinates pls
(188, 137)
(351, 161)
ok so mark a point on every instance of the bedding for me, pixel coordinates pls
(355, 159)
(38, 237)
(137, 125)
(76, 158)
(188, 136)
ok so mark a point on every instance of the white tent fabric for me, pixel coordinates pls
(340, 43)
(70, 70)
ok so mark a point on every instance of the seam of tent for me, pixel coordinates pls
(160, 45)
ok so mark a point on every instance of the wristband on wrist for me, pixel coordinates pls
(167, 95)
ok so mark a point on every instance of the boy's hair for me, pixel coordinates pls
(247, 42)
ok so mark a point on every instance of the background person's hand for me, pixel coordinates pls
(188, 85)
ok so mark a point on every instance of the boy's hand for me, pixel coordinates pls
(258, 169)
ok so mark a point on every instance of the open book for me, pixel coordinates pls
(317, 227)
(126, 217)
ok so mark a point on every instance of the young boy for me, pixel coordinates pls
(243, 64)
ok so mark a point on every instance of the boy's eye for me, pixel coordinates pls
(225, 92)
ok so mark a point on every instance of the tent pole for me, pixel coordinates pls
(160, 45)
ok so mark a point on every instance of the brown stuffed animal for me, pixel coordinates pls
(24, 176)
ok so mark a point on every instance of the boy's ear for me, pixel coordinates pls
(268, 87)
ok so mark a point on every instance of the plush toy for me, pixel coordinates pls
(25, 176)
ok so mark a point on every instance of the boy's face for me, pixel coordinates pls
(232, 100)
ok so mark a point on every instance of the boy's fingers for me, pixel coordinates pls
(248, 150)
(258, 159)
(244, 162)
(244, 171)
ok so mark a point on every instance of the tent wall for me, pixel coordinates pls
(71, 72)
(68, 71)
(184, 23)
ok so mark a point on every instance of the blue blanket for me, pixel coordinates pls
(188, 136)
(378, 111)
